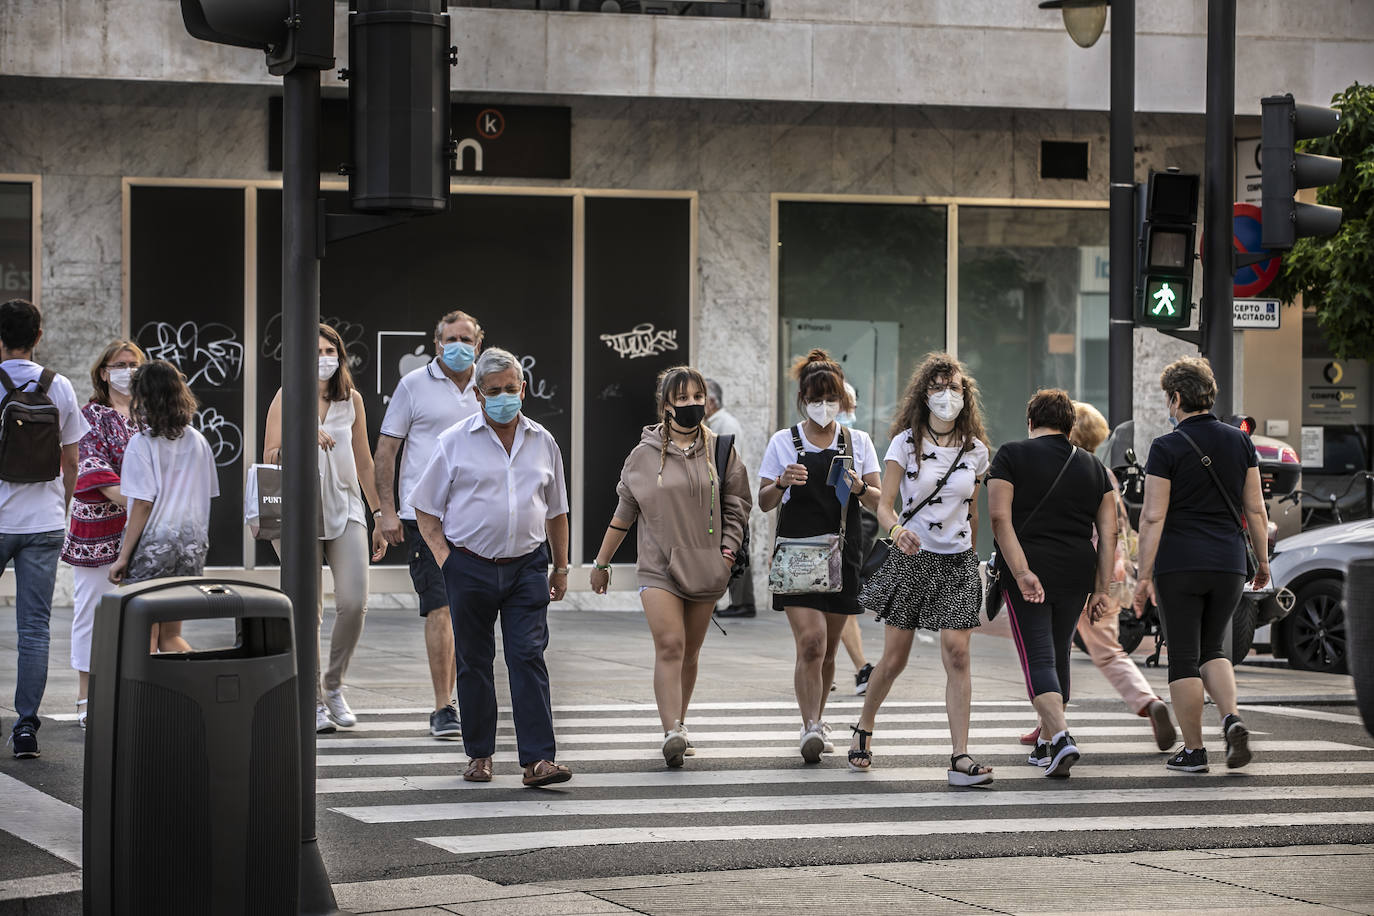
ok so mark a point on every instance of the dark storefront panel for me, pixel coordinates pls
(16, 240)
(506, 260)
(638, 323)
(186, 306)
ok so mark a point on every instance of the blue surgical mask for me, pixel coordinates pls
(846, 419)
(458, 355)
(502, 407)
(1173, 421)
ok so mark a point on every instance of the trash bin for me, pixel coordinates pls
(192, 781)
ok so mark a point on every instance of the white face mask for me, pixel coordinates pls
(946, 405)
(121, 380)
(823, 413)
(328, 366)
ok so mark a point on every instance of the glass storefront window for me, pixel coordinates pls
(866, 282)
(16, 240)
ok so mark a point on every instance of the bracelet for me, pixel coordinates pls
(377, 513)
(892, 532)
(605, 566)
(780, 485)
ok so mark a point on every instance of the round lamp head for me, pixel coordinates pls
(1084, 19)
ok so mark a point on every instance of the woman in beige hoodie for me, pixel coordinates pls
(691, 518)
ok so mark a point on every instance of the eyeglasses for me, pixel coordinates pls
(121, 365)
(936, 387)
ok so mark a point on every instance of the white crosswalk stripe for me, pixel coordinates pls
(747, 783)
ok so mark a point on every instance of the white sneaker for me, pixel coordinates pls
(812, 743)
(323, 726)
(829, 746)
(338, 709)
(674, 744)
(81, 712)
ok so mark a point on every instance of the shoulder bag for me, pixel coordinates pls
(992, 603)
(810, 565)
(724, 446)
(1251, 561)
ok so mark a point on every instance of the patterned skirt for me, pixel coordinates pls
(932, 591)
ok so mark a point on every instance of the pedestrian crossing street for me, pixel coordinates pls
(748, 783)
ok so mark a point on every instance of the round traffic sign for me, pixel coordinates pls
(1251, 281)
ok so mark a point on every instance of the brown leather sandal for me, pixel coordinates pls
(545, 773)
(479, 770)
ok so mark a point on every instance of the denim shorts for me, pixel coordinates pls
(424, 572)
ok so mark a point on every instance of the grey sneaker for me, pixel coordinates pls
(674, 746)
(812, 743)
(444, 724)
(338, 709)
(323, 724)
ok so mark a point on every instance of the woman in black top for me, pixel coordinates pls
(1192, 553)
(1045, 496)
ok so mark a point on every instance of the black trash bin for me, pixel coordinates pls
(192, 782)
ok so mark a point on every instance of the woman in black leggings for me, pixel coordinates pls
(1045, 497)
(1198, 480)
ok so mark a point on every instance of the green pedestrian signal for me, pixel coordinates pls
(1164, 303)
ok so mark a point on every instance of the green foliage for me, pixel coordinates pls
(1335, 275)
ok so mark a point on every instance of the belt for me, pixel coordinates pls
(499, 561)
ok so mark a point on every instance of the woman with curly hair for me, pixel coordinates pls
(938, 454)
(98, 503)
(691, 517)
(796, 479)
(169, 479)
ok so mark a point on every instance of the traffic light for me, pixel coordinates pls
(1165, 285)
(293, 33)
(1284, 171)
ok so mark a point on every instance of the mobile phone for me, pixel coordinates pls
(839, 465)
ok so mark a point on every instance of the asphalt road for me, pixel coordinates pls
(391, 803)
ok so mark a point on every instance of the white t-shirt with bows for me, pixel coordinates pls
(944, 524)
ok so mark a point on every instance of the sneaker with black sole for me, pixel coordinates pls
(1040, 757)
(1186, 761)
(1237, 743)
(24, 741)
(861, 680)
(1063, 755)
(1163, 726)
(444, 724)
(738, 610)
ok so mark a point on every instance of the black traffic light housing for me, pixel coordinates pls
(293, 33)
(1165, 283)
(1285, 170)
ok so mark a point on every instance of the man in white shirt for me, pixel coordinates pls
(723, 423)
(486, 504)
(33, 516)
(428, 401)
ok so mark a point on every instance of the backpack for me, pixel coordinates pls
(724, 446)
(30, 431)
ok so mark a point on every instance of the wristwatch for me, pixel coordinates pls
(560, 570)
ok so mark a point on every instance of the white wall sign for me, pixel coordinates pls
(1312, 447)
(1257, 313)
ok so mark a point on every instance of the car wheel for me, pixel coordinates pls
(1315, 629)
(1243, 630)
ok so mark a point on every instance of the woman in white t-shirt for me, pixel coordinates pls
(795, 474)
(939, 453)
(345, 466)
(168, 478)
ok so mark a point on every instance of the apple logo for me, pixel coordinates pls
(412, 361)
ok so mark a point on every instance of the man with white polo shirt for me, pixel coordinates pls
(428, 401)
(33, 511)
(493, 506)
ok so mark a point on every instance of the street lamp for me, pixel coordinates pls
(1085, 19)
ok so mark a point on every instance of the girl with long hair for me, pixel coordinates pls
(168, 477)
(939, 453)
(795, 474)
(691, 516)
(345, 465)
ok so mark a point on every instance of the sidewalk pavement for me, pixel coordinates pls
(1273, 881)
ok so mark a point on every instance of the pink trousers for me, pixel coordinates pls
(1104, 647)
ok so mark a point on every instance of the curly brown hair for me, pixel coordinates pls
(100, 389)
(819, 378)
(914, 414)
(162, 404)
(1192, 380)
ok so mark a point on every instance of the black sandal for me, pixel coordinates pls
(860, 754)
(975, 775)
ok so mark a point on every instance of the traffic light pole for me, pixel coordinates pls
(1219, 189)
(1121, 280)
(300, 566)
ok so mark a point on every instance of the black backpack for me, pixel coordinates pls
(30, 431)
(724, 446)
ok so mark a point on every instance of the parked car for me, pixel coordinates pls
(1312, 565)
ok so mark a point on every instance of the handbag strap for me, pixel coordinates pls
(940, 485)
(1207, 463)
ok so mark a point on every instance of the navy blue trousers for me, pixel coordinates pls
(480, 592)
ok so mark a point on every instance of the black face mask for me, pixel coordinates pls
(688, 416)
